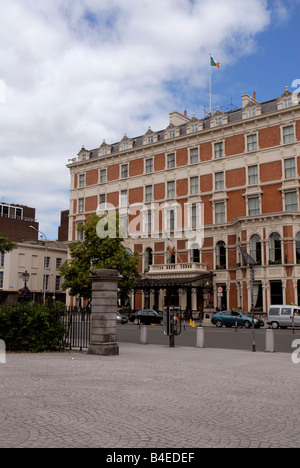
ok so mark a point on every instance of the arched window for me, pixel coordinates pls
(298, 248)
(148, 258)
(195, 253)
(255, 248)
(275, 248)
(221, 255)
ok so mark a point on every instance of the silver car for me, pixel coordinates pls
(284, 316)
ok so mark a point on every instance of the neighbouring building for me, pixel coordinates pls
(41, 260)
(15, 222)
(242, 166)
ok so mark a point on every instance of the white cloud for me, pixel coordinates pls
(79, 71)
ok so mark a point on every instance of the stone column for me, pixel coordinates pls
(104, 313)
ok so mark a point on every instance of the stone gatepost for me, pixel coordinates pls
(104, 313)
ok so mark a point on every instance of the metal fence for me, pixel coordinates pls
(77, 324)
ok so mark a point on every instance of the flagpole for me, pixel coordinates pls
(210, 83)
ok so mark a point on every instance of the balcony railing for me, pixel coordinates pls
(178, 267)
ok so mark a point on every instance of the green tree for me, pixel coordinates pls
(99, 253)
(6, 245)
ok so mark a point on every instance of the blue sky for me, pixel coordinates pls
(80, 71)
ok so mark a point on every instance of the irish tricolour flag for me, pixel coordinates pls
(213, 63)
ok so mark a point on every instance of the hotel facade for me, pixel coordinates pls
(232, 178)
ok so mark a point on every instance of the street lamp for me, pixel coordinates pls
(25, 277)
(45, 261)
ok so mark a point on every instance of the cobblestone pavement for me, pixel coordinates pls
(150, 397)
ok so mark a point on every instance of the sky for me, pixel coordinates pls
(76, 72)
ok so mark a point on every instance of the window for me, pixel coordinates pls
(275, 248)
(195, 254)
(253, 175)
(194, 185)
(103, 176)
(298, 248)
(148, 223)
(171, 133)
(82, 180)
(149, 193)
(81, 205)
(288, 134)
(1, 259)
(149, 166)
(150, 139)
(219, 150)
(194, 128)
(251, 112)
(195, 221)
(290, 168)
(1, 279)
(46, 282)
(102, 201)
(125, 145)
(104, 151)
(288, 102)
(220, 214)
(123, 198)
(57, 283)
(291, 201)
(219, 121)
(171, 259)
(47, 262)
(170, 220)
(148, 258)
(254, 206)
(221, 255)
(252, 142)
(123, 225)
(171, 190)
(219, 180)
(194, 154)
(171, 161)
(255, 248)
(58, 263)
(124, 171)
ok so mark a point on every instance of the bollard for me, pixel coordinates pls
(270, 343)
(200, 338)
(143, 335)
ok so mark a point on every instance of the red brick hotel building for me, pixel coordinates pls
(242, 167)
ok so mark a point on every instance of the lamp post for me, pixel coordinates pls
(25, 277)
(45, 261)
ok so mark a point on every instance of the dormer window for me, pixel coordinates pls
(125, 145)
(219, 121)
(287, 102)
(171, 133)
(194, 128)
(84, 157)
(150, 139)
(251, 112)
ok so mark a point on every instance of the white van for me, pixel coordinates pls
(283, 316)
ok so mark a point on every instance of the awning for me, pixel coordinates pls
(199, 282)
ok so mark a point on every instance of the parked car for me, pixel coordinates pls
(146, 317)
(283, 316)
(228, 319)
(121, 319)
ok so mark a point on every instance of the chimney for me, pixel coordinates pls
(185, 113)
(254, 95)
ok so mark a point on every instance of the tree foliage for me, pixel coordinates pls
(6, 245)
(95, 253)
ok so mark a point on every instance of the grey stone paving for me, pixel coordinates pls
(150, 397)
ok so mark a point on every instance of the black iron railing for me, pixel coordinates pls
(77, 324)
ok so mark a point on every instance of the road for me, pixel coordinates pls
(223, 338)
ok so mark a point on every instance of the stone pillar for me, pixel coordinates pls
(104, 313)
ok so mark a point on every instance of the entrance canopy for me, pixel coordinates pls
(204, 281)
